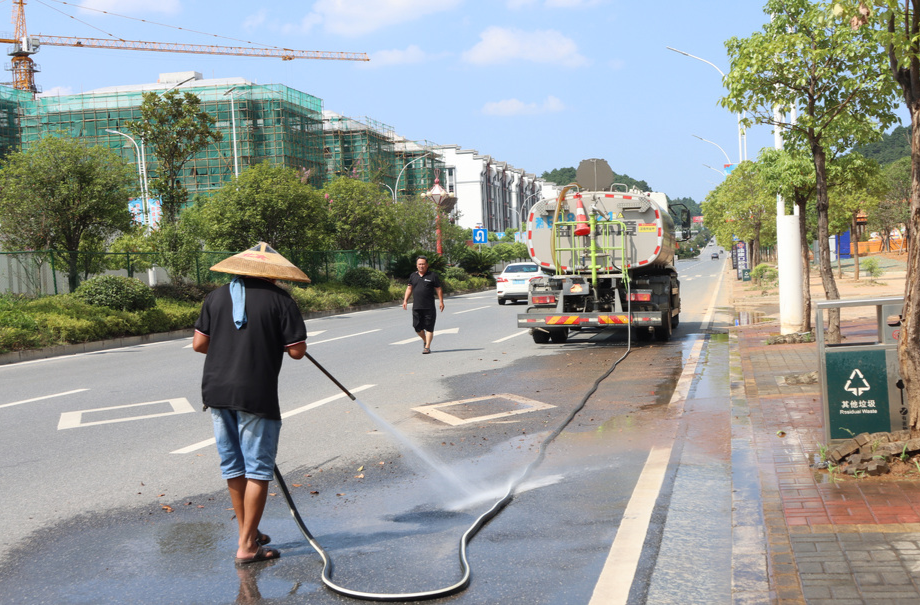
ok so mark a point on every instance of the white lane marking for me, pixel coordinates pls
(515, 335)
(294, 412)
(707, 321)
(6, 405)
(436, 333)
(619, 570)
(468, 310)
(309, 333)
(319, 342)
(72, 420)
(434, 411)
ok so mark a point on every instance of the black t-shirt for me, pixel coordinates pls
(242, 366)
(423, 289)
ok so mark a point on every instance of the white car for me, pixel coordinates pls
(512, 284)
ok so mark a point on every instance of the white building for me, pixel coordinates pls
(489, 193)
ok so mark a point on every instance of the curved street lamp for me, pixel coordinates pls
(141, 172)
(395, 189)
(741, 136)
(727, 159)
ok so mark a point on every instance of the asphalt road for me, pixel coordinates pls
(110, 489)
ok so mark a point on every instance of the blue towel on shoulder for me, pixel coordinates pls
(238, 296)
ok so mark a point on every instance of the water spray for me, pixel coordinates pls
(467, 536)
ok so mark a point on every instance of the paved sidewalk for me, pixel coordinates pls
(845, 541)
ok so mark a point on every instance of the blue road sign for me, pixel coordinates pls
(480, 236)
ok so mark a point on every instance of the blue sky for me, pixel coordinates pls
(540, 84)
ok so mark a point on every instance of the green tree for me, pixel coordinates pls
(266, 203)
(560, 176)
(63, 195)
(740, 207)
(177, 128)
(415, 223)
(895, 25)
(808, 59)
(361, 213)
(893, 211)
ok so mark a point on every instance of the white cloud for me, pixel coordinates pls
(514, 107)
(359, 17)
(133, 7)
(572, 3)
(383, 58)
(254, 21)
(57, 91)
(518, 4)
(500, 45)
(306, 24)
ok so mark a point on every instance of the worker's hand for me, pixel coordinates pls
(442, 306)
(405, 302)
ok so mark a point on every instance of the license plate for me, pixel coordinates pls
(517, 281)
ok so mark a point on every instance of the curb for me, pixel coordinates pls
(133, 341)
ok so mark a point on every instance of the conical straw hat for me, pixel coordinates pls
(261, 261)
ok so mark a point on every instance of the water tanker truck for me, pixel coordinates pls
(608, 252)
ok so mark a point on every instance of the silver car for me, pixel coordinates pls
(513, 282)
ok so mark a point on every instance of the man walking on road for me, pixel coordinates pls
(244, 329)
(423, 285)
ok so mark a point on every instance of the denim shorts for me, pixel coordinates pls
(247, 444)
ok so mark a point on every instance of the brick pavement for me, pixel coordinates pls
(827, 541)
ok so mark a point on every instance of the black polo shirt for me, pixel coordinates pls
(423, 289)
(242, 366)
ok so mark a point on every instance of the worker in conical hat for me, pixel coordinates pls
(244, 329)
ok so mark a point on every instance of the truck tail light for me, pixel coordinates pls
(544, 300)
(640, 296)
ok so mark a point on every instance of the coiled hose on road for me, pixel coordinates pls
(467, 535)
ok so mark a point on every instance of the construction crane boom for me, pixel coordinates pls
(24, 46)
(285, 54)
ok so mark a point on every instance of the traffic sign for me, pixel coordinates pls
(480, 236)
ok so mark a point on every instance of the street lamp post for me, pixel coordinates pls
(399, 176)
(236, 161)
(524, 206)
(727, 159)
(142, 175)
(141, 172)
(741, 137)
(438, 195)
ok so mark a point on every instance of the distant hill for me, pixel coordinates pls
(893, 146)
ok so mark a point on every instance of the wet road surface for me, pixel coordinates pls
(392, 523)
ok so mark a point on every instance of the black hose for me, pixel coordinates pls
(467, 535)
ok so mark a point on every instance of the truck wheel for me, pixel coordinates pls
(663, 332)
(675, 321)
(541, 337)
(501, 301)
(559, 336)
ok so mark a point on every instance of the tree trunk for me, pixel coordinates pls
(853, 233)
(908, 351)
(827, 272)
(806, 269)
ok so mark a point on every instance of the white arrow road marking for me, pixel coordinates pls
(6, 405)
(300, 410)
(436, 333)
(474, 309)
(72, 420)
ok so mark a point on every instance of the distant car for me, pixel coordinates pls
(513, 282)
(714, 256)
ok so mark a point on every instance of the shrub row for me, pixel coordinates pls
(103, 308)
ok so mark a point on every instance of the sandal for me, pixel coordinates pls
(262, 554)
(426, 351)
(262, 539)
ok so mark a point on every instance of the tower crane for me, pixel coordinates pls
(24, 46)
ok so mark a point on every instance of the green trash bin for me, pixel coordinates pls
(860, 382)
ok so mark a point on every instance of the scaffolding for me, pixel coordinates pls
(274, 123)
(419, 161)
(359, 148)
